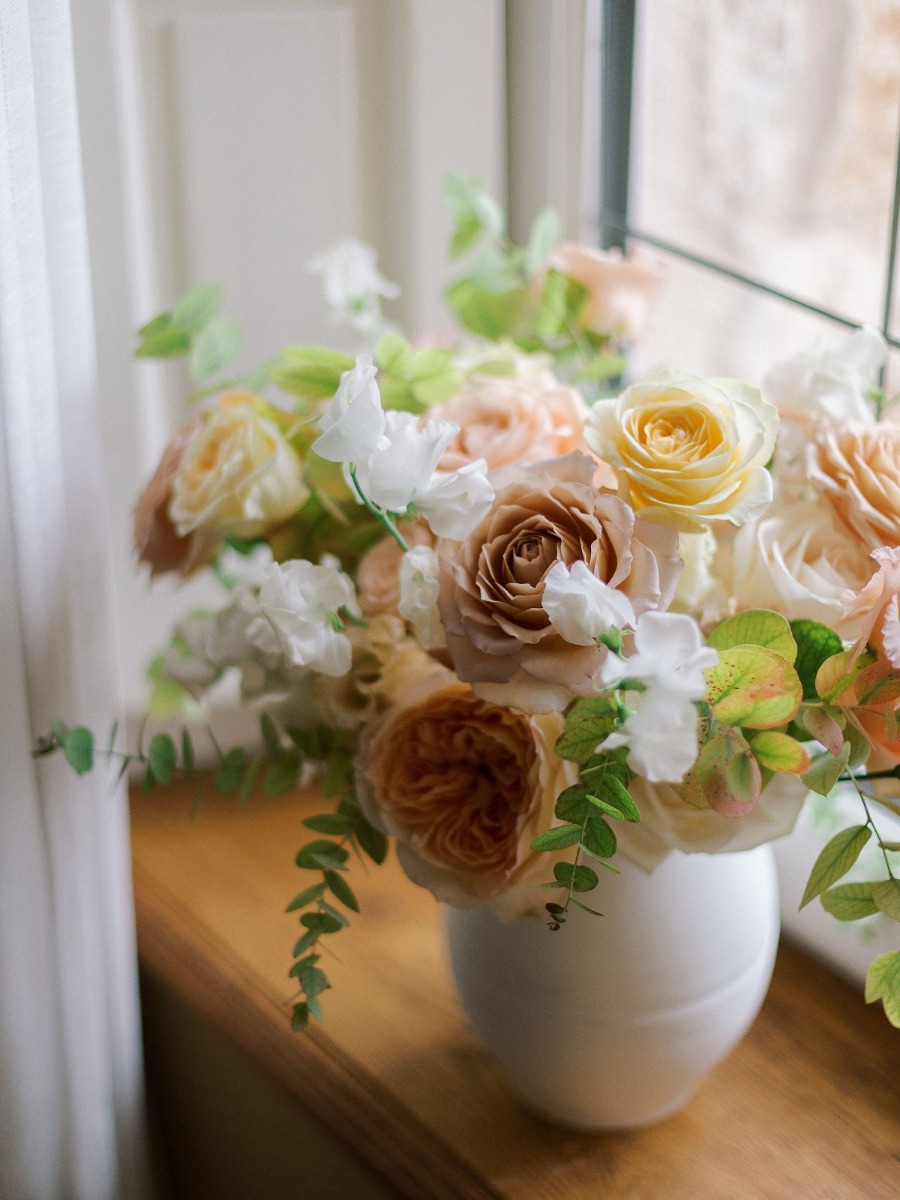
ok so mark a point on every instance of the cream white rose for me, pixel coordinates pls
(797, 562)
(238, 474)
(688, 451)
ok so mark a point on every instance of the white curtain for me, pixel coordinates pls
(71, 1117)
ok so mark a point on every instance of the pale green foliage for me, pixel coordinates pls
(883, 983)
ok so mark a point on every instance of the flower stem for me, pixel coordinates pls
(385, 519)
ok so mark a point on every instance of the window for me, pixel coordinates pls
(754, 145)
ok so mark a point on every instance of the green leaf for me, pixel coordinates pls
(393, 355)
(815, 643)
(753, 687)
(563, 871)
(166, 343)
(467, 200)
(59, 729)
(270, 736)
(836, 675)
(849, 901)
(490, 314)
(890, 846)
(586, 908)
(162, 757)
(572, 804)
(342, 889)
(835, 860)
(883, 983)
(311, 372)
(309, 939)
(281, 774)
(825, 770)
(215, 346)
(329, 823)
(198, 306)
(590, 721)
(756, 627)
(248, 783)
(313, 892)
(337, 774)
(886, 894)
(778, 752)
(611, 792)
(824, 727)
(322, 922)
(332, 912)
(78, 746)
(598, 838)
(156, 325)
(312, 979)
(372, 841)
(584, 879)
(465, 235)
(321, 855)
(231, 771)
(300, 1017)
(561, 301)
(188, 757)
(546, 232)
(558, 838)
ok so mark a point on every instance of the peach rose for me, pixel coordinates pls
(688, 451)
(620, 288)
(856, 467)
(378, 573)
(871, 616)
(464, 787)
(492, 584)
(799, 562)
(238, 474)
(157, 541)
(506, 420)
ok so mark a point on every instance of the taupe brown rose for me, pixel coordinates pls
(464, 786)
(492, 584)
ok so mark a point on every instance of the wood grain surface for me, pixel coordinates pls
(808, 1106)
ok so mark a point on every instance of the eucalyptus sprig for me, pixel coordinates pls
(277, 769)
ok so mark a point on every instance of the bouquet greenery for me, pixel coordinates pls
(520, 615)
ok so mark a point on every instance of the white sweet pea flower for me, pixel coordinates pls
(661, 737)
(299, 602)
(582, 607)
(669, 657)
(828, 379)
(419, 588)
(457, 500)
(352, 283)
(353, 423)
(400, 468)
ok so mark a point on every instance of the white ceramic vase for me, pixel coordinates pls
(613, 1021)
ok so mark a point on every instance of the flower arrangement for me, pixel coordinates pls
(521, 615)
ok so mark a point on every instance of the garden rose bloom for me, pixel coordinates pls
(669, 823)
(505, 420)
(492, 585)
(464, 787)
(238, 474)
(156, 539)
(829, 379)
(799, 562)
(872, 615)
(620, 288)
(688, 451)
(857, 469)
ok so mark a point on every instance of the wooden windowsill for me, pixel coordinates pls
(807, 1106)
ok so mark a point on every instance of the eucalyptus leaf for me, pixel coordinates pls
(162, 756)
(835, 860)
(78, 747)
(313, 892)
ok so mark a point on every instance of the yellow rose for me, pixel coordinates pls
(238, 475)
(688, 451)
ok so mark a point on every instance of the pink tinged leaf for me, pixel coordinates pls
(878, 684)
(725, 777)
(824, 728)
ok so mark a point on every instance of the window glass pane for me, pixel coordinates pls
(765, 137)
(708, 324)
